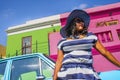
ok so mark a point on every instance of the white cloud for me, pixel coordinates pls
(7, 13)
(81, 6)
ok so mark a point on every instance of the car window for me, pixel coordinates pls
(2, 69)
(24, 68)
(47, 70)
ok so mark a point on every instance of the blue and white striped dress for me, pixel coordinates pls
(77, 61)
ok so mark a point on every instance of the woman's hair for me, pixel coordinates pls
(72, 31)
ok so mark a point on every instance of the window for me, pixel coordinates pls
(47, 70)
(25, 69)
(26, 45)
(118, 32)
(105, 36)
(2, 69)
(32, 68)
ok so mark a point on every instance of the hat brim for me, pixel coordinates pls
(62, 32)
(75, 14)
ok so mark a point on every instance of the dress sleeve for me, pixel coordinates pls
(59, 45)
(93, 36)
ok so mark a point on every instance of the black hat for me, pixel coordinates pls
(75, 14)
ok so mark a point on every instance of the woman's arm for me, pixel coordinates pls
(99, 47)
(58, 64)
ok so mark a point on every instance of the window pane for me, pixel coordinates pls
(2, 70)
(47, 70)
(26, 41)
(24, 68)
(26, 50)
(26, 45)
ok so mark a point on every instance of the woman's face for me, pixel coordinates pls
(79, 26)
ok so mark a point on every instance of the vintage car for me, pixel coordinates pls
(27, 67)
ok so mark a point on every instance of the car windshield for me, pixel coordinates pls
(30, 69)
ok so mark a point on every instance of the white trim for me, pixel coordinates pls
(32, 29)
(45, 19)
(36, 24)
(36, 21)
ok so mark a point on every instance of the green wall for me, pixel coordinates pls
(14, 42)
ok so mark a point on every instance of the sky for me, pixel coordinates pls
(16, 12)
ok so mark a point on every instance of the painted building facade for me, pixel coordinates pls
(32, 36)
(105, 23)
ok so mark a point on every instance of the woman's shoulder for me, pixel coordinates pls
(60, 43)
(62, 40)
(92, 35)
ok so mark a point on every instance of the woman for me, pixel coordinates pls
(75, 60)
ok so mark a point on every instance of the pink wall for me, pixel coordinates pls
(111, 45)
(53, 40)
(101, 64)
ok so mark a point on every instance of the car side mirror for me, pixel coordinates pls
(41, 77)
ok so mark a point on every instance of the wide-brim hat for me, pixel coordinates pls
(75, 14)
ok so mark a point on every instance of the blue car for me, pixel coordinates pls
(27, 67)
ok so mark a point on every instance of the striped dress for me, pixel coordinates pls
(78, 60)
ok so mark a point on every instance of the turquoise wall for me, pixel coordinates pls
(14, 42)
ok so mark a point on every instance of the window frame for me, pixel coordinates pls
(29, 46)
